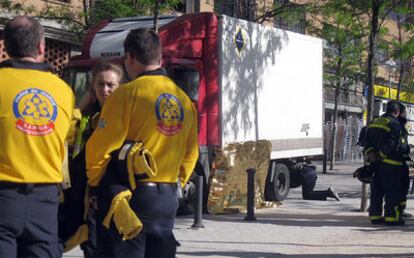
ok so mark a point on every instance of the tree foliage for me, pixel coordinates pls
(92, 11)
(401, 48)
(339, 28)
(356, 37)
(343, 41)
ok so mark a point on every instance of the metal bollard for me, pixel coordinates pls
(250, 194)
(324, 161)
(198, 205)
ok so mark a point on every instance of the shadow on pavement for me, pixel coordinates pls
(409, 227)
(229, 254)
(349, 255)
(352, 195)
(282, 244)
(313, 220)
(269, 255)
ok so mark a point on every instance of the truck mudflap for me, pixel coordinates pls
(228, 180)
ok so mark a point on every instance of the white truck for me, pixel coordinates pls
(249, 83)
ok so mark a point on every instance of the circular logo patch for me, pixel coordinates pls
(35, 111)
(170, 114)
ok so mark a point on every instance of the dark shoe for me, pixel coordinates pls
(333, 194)
(377, 221)
(406, 215)
(395, 223)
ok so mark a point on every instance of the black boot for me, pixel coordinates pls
(333, 194)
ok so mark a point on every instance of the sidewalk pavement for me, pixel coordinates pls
(299, 228)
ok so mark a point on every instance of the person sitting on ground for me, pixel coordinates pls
(304, 174)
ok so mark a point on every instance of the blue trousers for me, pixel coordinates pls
(308, 185)
(28, 221)
(405, 187)
(156, 207)
(88, 247)
(386, 185)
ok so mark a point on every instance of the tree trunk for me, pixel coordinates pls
(156, 9)
(334, 128)
(370, 81)
(401, 72)
(87, 12)
(236, 8)
(252, 10)
(335, 113)
(400, 78)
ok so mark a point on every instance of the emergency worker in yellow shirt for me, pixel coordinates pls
(153, 109)
(35, 114)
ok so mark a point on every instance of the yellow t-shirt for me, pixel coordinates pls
(152, 109)
(35, 113)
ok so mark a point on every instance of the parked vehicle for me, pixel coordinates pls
(249, 82)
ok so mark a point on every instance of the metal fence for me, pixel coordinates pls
(347, 131)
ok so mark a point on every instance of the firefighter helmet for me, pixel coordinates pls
(364, 174)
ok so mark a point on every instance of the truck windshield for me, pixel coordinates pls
(78, 79)
(187, 78)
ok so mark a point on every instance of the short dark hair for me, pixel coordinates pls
(22, 36)
(107, 66)
(392, 107)
(144, 45)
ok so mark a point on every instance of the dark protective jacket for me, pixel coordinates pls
(383, 137)
(130, 163)
(404, 147)
(361, 137)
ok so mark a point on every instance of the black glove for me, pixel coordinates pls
(372, 157)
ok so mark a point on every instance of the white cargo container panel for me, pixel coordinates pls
(271, 88)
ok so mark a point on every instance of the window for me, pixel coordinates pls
(225, 7)
(243, 9)
(79, 80)
(335, 44)
(382, 52)
(186, 78)
(292, 20)
(58, 1)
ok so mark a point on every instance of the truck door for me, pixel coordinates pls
(79, 79)
(189, 77)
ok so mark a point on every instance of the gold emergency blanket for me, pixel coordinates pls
(228, 182)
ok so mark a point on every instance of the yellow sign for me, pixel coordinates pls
(384, 92)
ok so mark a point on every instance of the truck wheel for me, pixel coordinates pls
(185, 204)
(278, 182)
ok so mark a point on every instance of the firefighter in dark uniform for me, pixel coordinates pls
(153, 109)
(382, 150)
(405, 151)
(36, 109)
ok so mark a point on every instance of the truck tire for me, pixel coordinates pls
(187, 202)
(277, 182)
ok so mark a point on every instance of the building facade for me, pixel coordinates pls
(60, 41)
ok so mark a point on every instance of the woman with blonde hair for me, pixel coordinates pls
(106, 78)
